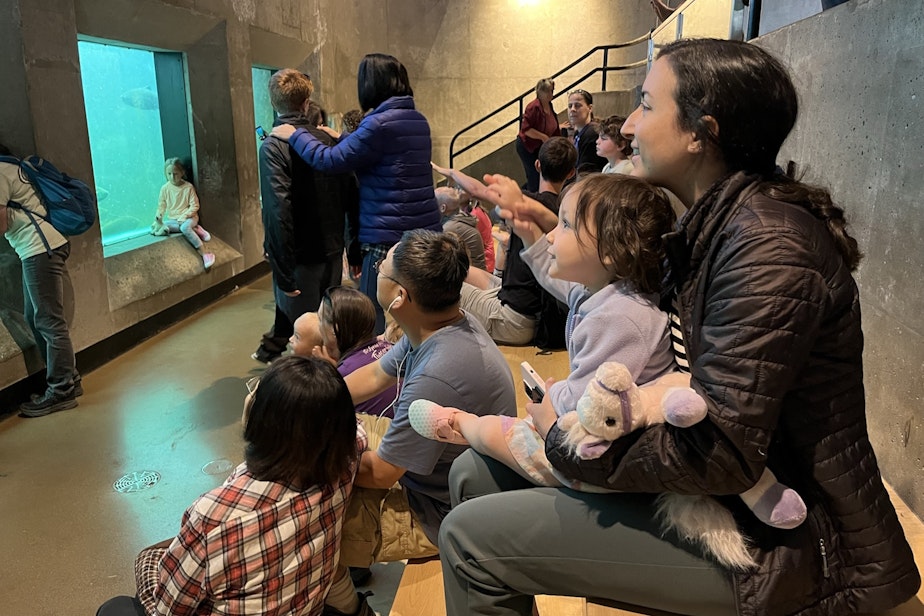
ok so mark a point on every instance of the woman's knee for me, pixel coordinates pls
(473, 474)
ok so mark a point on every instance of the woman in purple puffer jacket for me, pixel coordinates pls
(390, 153)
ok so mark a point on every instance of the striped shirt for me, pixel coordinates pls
(676, 332)
(249, 547)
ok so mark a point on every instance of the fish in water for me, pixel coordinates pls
(140, 98)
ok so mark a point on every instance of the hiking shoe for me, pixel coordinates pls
(364, 609)
(263, 356)
(204, 235)
(360, 575)
(47, 404)
(208, 260)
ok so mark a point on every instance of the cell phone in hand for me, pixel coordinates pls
(532, 383)
(262, 134)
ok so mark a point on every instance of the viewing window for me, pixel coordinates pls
(137, 117)
(262, 108)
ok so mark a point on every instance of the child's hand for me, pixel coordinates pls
(527, 231)
(283, 131)
(505, 193)
(320, 352)
(543, 413)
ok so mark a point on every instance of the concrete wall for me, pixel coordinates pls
(466, 58)
(859, 68)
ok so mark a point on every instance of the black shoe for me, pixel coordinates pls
(47, 404)
(360, 575)
(364, 609)
(263, 356)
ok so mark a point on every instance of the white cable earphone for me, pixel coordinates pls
(392, 304)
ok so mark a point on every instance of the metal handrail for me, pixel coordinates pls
(518, 100)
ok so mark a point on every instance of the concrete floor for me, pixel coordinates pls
(170, 405)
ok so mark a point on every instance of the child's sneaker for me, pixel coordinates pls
(208, 260)
(202, 233)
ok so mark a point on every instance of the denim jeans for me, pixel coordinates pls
(43, 289)
(187, 228)
(368, 282)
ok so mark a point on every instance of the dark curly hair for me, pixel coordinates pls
(629, 216)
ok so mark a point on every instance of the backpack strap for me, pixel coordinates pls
(18, 206)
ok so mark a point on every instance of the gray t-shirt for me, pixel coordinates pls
(458, 366)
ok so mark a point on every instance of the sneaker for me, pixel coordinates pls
(78, 391)
(208, 260)
(47, 404)
(364, 609)
(202, 233)
(263, 356)
(360, 575)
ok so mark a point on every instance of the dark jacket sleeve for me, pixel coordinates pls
(357, 150)
(761, 316)
(353, 245)
(278, 221)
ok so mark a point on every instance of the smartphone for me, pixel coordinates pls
(532, 383)
(262, 134)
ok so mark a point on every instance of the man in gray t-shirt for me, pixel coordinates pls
(445, 356)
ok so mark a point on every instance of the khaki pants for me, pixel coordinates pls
(379, 524)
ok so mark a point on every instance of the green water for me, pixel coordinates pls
(126, 140)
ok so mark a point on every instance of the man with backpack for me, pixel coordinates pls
(43, 251)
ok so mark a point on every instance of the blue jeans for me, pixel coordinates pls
(187, 228)
(368, 282)
(43, 289)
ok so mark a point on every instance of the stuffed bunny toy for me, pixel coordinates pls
(612, 406)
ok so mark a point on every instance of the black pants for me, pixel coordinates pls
(529, 166)
(121, 606)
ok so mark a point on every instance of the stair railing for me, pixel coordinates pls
(603, 70)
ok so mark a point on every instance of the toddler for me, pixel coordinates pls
(177, 210)
(605, 261)
(612, 146)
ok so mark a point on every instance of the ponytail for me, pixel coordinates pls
(816, 200)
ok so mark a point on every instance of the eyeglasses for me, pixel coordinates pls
(252, 384)
(378, 271)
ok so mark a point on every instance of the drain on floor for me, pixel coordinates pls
(221, 466)
(136, 481)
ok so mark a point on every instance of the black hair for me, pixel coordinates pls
(313, 114)
(432, 266)
(556, 159)
(753, 101)
(380, 77)
(301, 426)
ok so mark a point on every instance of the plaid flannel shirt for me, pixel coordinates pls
(249, 547)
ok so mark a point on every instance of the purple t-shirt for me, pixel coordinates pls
(365, 355)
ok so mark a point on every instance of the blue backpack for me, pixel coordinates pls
(69, 203)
